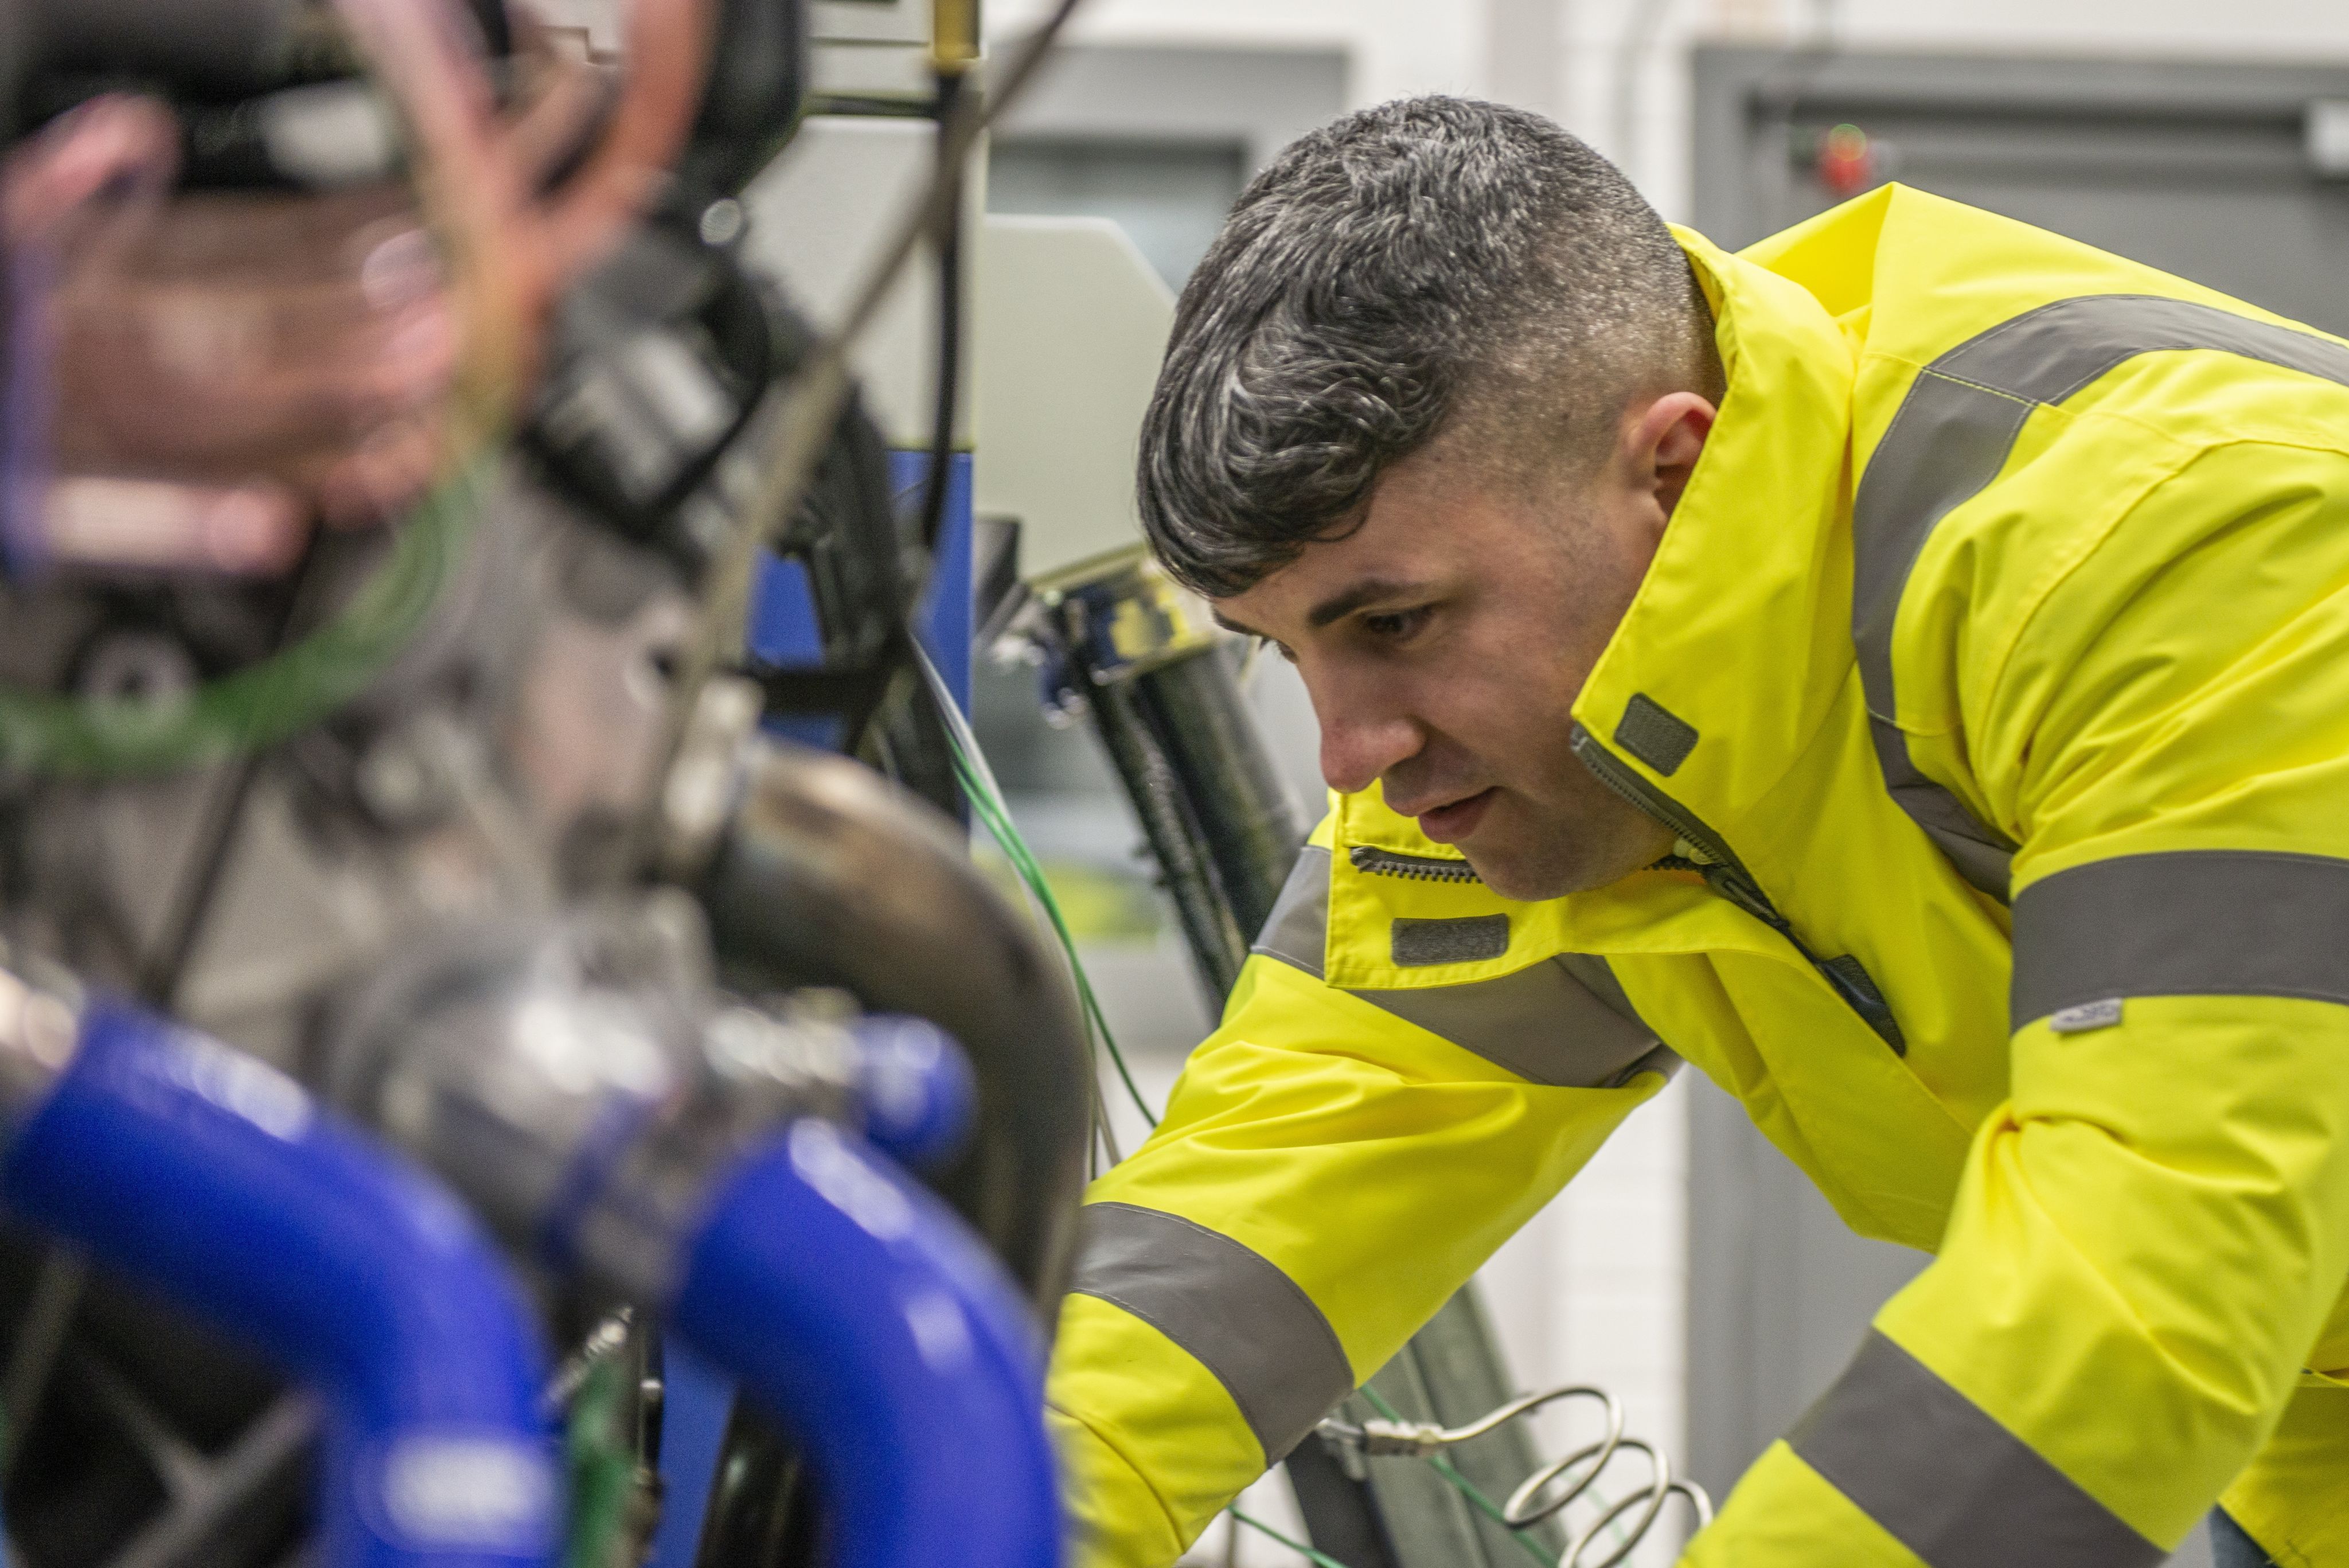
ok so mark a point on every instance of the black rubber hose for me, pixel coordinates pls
(1194, 707)
(830, 875)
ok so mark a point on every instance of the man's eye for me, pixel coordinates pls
(1393, 626)
(1261, 646)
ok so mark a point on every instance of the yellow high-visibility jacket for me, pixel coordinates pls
(1994, 672)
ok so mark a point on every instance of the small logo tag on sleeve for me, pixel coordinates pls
(2087, 1015)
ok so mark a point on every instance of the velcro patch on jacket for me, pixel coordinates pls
(1416, 944)
(1655, 736)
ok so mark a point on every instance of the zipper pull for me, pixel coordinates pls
(1745, 896)
(1849, 976)
(1846, 974)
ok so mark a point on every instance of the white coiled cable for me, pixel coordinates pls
(1556, 1485)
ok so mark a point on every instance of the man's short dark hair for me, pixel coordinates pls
(1429, 261)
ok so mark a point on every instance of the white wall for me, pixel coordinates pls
(1399, 46)
(1568, 57)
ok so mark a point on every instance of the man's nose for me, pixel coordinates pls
(1361, 741)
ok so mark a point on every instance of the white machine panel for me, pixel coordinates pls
(1070, 323)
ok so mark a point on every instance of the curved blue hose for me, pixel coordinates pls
(919, 1094)
(858, 1309)
(214, 1180)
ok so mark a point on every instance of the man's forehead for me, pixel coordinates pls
(1397, 542)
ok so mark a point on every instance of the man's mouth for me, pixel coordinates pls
(1451, 823)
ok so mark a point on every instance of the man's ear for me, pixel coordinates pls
(1665, 442)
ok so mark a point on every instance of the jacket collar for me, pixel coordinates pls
(1741, 628)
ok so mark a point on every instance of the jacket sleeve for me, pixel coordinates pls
(2152, 1233)
(1328, 1174)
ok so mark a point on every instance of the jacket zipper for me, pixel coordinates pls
(1727, 876)
(1417, 868)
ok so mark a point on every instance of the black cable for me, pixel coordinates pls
(167, 964)
(948, 247)
(160, 977)
(897, 727)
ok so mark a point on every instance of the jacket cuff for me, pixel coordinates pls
(1114, 1519)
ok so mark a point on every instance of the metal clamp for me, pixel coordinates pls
(1420, 1439)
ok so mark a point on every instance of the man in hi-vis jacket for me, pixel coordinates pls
(1902, 670)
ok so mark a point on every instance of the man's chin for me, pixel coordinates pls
(1528, 854)
(1530, 874)
(1524, 878)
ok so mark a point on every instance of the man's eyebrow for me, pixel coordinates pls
(1369, 591)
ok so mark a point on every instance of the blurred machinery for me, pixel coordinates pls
(448, 837)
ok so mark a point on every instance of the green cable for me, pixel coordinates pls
(978, 784)
(1476, 1495)
(1318, 1559)
(997, 818)
(603, 1471)
(1467, 1489)
(266, 702)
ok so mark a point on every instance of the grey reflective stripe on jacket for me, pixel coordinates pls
(1945, 1480)
(1947, 441)
(1564, 1022)
(1230, 1307)
(2185, 922)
